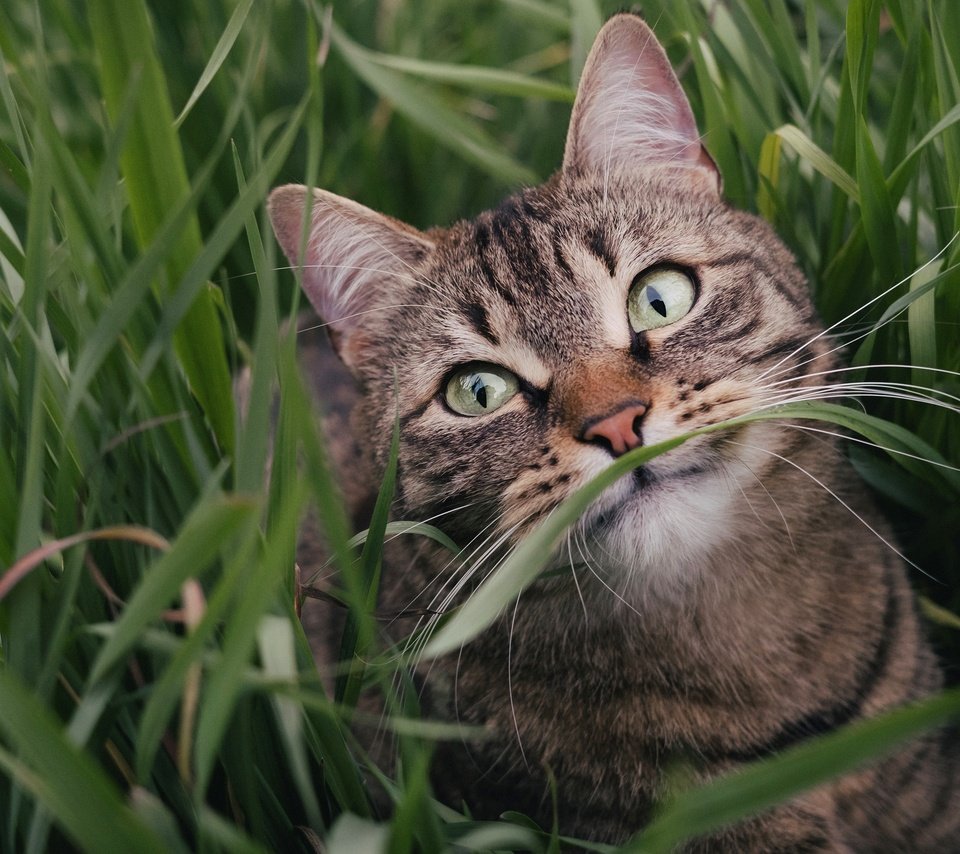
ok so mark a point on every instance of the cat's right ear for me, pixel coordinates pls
(351, 253)
(631, 111)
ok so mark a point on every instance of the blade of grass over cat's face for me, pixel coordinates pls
(536, 550)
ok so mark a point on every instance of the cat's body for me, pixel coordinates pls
(734, 597)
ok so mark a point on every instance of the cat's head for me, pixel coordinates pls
(622, 303)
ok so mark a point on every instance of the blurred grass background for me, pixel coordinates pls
(156, 691)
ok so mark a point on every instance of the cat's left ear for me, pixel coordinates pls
(352, 258)
(631, 111)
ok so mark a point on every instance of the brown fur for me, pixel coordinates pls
(718, 607)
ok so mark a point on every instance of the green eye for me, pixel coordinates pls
(479, 389)
(659, 298)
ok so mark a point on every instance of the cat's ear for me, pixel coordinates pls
(631, 111)
(351, 254)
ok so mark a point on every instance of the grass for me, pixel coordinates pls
(156, 689)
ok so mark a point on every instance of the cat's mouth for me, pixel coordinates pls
(644, 478)
(642, 484)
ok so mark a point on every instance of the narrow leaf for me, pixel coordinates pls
(199, 541)
(421, 107)
(477, 78)
(818, 159)
(79, 796)
(217, 58)
(764, 784)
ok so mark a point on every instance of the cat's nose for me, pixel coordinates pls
(619, 432)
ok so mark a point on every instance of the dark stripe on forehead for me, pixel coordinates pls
(731, 259)
(482, 240)
(479, 320)
(539, 212)
(558, 257)
(519, 246)
(598, 244)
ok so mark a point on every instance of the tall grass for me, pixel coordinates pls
(156, 689)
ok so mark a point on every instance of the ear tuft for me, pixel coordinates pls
(351, 253)
(631, 110)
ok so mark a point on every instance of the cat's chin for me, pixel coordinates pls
(659, 529)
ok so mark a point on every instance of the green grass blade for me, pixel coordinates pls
(768, 169)
(275, 642)
(156, 182)
(542, 12)
(354, 835)
(12, 260)
(897, 181)
(253, 442)
(477, 78)
(947, 75)
(767, 783)
(79, 796)
(12, 167)
(450, 128)
(218, 57)
(877, 210)
(168, 687)
(863, 19)
(223, 835)
(151, 811)
(585, 23)
(233, 221)
(897, 130)
(922, 323)
(716, 124)
(924, 285)
(772, 21)
(128, 296)
(257, 592)
(819, 159)
(398, 528)
(199, 542)
(360, 631)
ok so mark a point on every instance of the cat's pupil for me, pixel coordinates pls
(479, 389)
(656, 301)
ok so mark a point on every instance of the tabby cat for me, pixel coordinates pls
(717, 605)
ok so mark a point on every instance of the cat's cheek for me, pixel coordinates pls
(564, 466)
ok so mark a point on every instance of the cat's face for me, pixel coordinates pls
(622, 303)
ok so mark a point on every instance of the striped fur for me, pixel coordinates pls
(735, 597)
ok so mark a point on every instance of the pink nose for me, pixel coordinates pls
(621, 431)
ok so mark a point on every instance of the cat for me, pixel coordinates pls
(715, 606)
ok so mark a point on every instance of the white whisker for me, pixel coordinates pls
(513, 708)
(839, 500)
(856, 311)
(895, 451)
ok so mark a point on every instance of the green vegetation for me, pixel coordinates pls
(156, 689)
